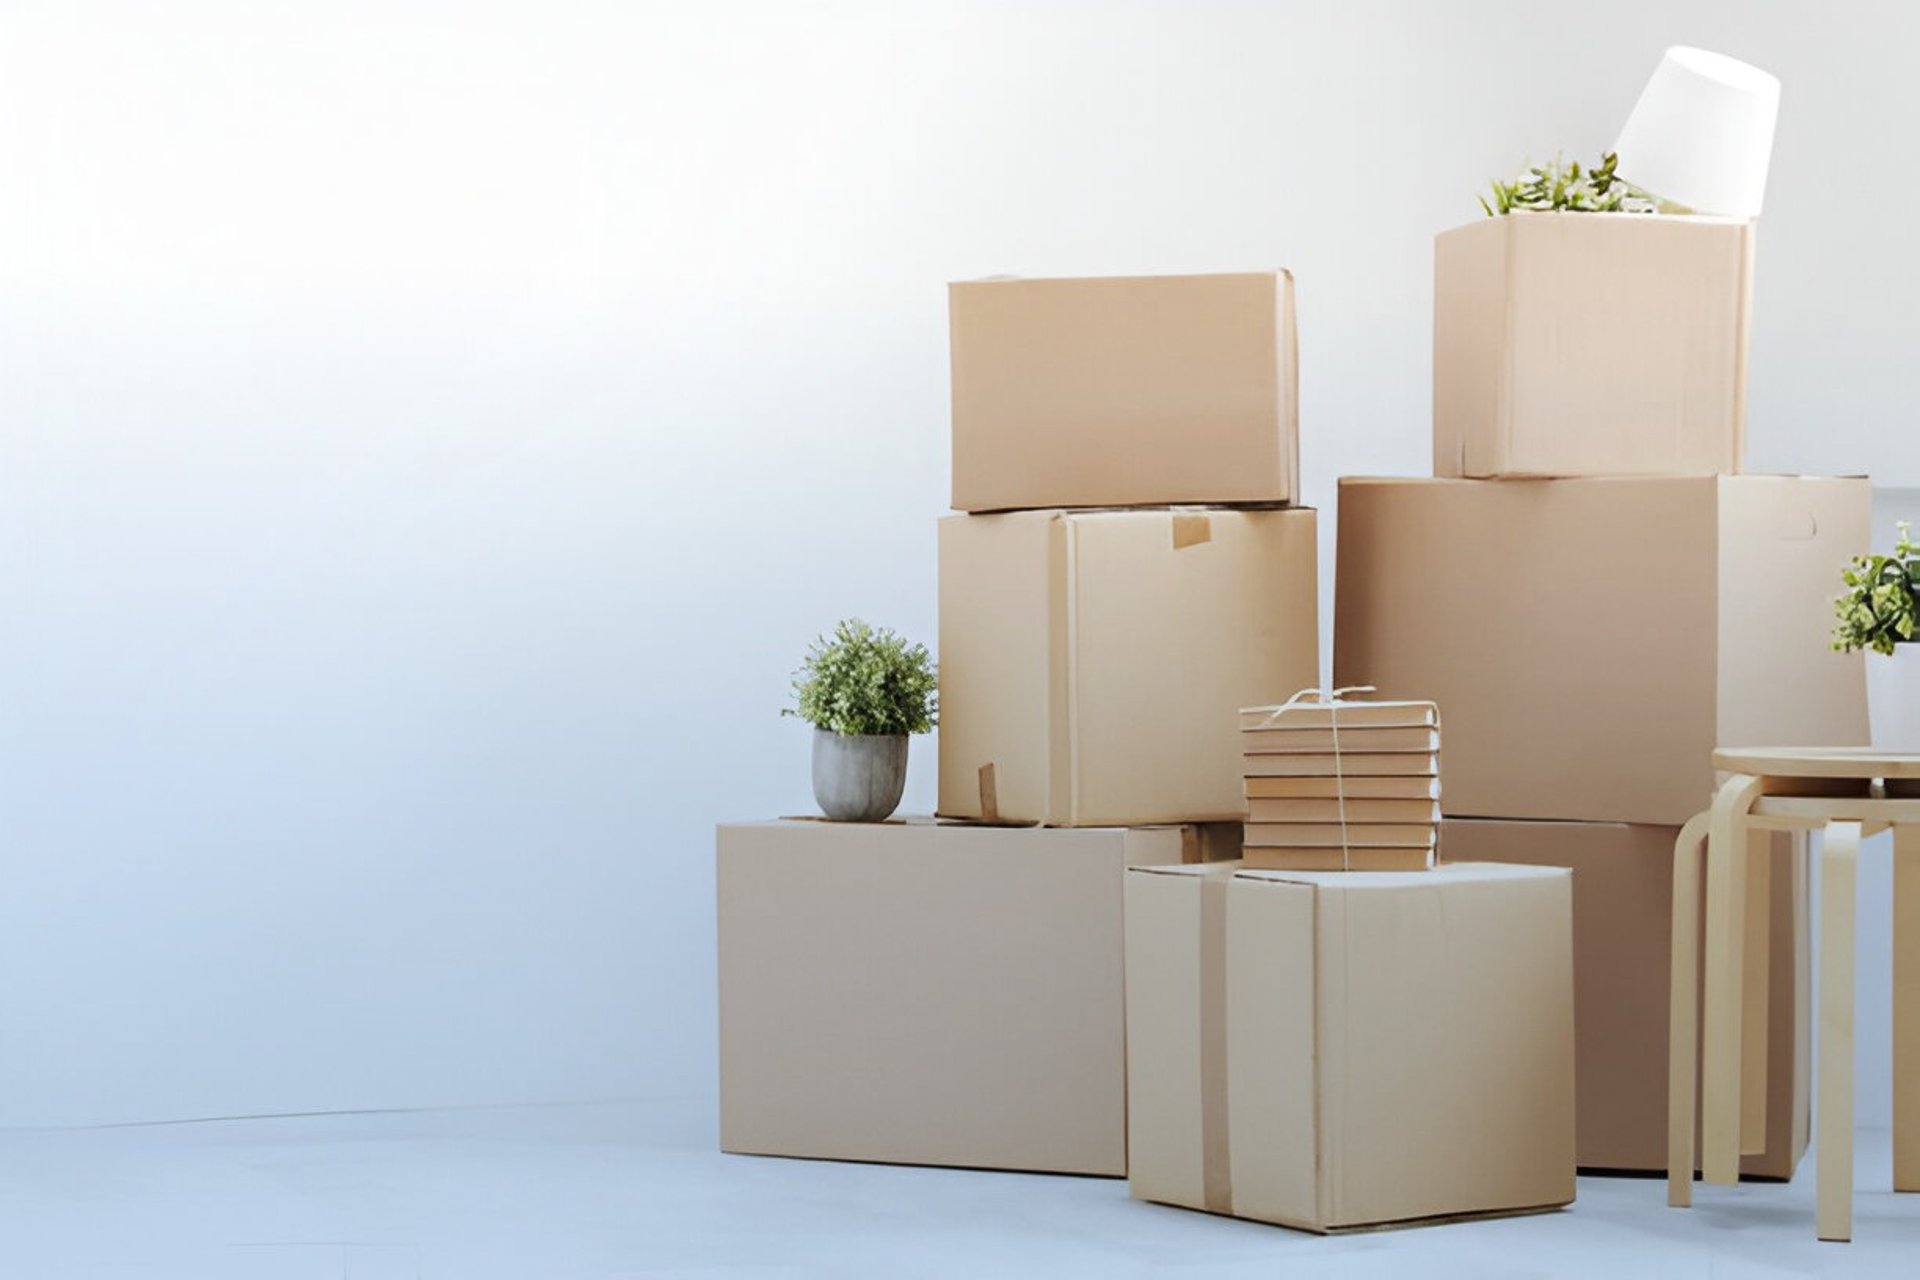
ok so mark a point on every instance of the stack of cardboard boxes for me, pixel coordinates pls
(1322, 1051)
(1069, 969)
(1596, 598)
(1103, 617)
(1130, 571)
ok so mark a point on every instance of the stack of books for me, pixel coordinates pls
(1334, 785)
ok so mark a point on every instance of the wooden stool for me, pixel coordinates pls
(1850, 793)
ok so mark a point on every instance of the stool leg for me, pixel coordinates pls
(1720, 1058)
(1756, 996)
(1683, 1011)
(1906, 1008)
(1835, 1113)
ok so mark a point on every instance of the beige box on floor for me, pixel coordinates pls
(1337, 1050)
(1124, 391)
(926, 993)
(1622, 913)
(1590, 641)
(1093, 663)
(1569, 344)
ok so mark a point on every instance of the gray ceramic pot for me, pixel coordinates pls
(858, 777)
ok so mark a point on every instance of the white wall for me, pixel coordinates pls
(429, 433)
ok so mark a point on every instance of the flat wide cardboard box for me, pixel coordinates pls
(1093, 663)
(926, 993)
(1338, 1050)
(1591, 641)
(1622, 916)
(1124, 391)
(1569, 344)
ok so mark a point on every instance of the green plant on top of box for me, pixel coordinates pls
(864, 690)
(866, 680)
(1881, 606)
(1568, 188)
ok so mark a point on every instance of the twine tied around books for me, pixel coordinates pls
(1330, 699)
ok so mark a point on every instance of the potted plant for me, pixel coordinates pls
(1880, 610)
(1570, 189)
(864, 690)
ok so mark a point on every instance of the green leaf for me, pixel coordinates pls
(1570, 187)
(867, 681)
(1881, 606)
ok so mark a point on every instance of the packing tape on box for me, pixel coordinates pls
(989, 794)
(1215, 1134)
(1191, 530)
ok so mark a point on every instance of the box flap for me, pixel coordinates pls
(1445, 1026)
(1364, 881)
(1143, 614)
(1782, 543)
(1189, 869)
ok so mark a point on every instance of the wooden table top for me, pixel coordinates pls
(1818, 762)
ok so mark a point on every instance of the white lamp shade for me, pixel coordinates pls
(1701, 135)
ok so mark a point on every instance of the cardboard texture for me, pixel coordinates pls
(1622, 914)
(924, 993)
(1092, 668)
(1569, 344)
(1591, 641)
(1124, 391)
(1347, 1050)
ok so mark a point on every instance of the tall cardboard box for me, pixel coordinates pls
(926, 993)
(1570, 344)
(1093, 663)
(1124, 391)
(1336, 1050)
(1591, 641)
(1622, 916)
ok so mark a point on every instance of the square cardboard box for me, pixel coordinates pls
(1591, 641)
(1622, 930)
(1339, 1050)
(1124, 391)
(1093, 663)
(1568, 344)
(929, 993)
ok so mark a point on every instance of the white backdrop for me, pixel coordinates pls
(430, 432)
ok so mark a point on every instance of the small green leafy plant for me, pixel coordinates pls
(1571, 189)
(867, 681)
(1879, 609)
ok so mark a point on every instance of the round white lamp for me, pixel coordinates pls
(1702, 133)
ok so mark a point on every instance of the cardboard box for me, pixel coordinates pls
(1569, 344)
(1124, 391)
(1622, 920)
(1342, 1050)
(922, 993)
(1093, 663)
(1589, 642)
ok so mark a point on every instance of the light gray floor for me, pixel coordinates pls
(606, 1191)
